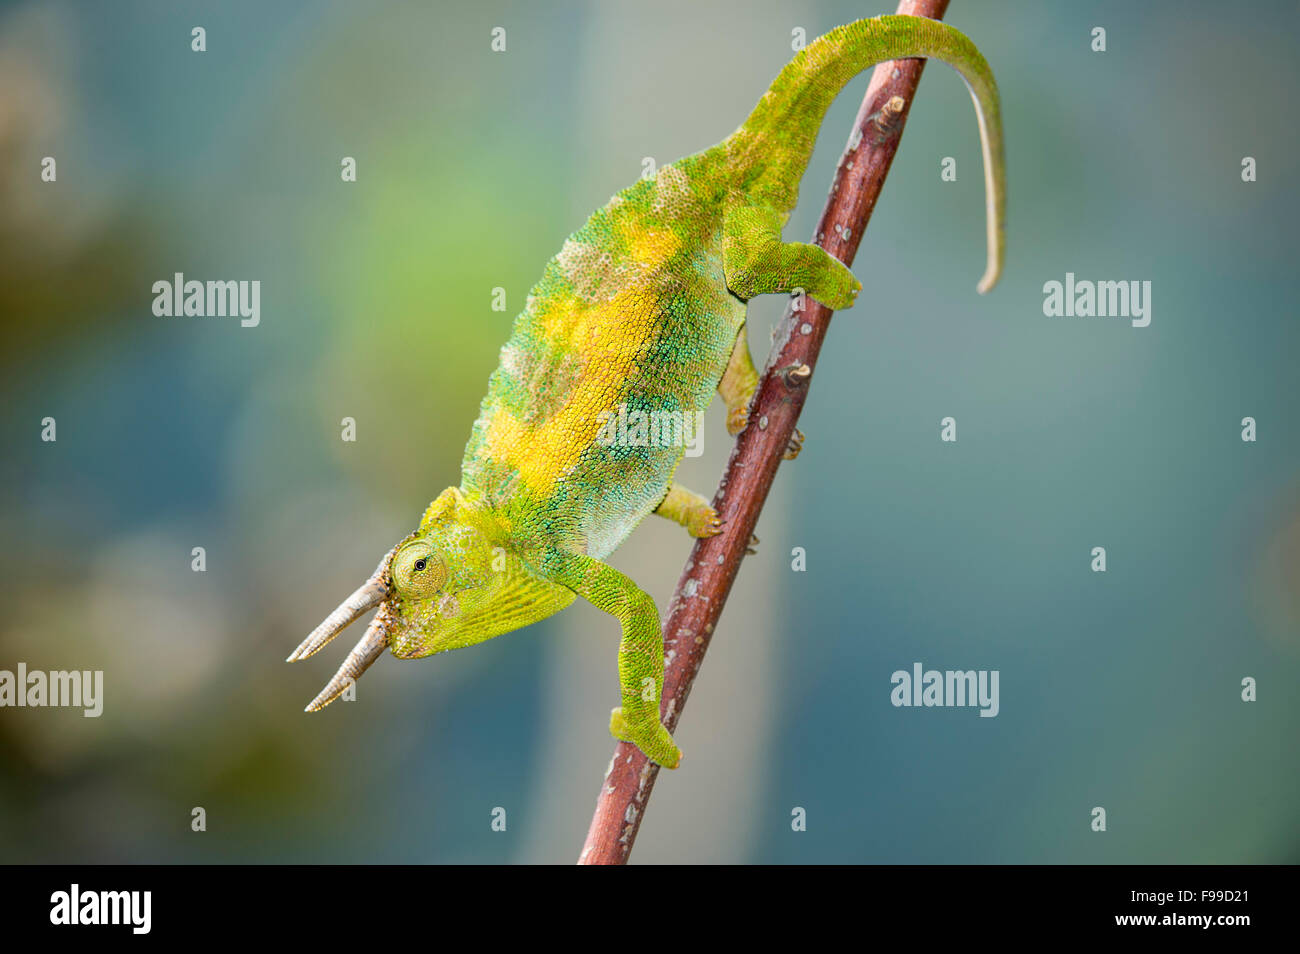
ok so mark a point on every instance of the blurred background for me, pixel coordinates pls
(1119, 689)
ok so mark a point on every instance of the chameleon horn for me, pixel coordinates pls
(370, 648)
(370, 595)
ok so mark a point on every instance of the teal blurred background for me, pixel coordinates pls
(1119, 690)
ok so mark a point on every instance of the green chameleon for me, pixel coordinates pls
(643, 310)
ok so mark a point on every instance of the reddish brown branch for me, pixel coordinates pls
(706, 581)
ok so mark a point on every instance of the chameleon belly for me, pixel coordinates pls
(633, 315)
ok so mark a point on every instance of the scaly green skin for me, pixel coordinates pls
(644, 307)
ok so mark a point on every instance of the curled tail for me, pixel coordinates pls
(773, 146)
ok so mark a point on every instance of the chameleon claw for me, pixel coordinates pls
(793, 448)
(752, 547)
(737, 418)
(706, 524)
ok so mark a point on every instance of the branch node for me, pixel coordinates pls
(887, 119)
(796, 375)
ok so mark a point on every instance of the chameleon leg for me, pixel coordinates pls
(737, 387)
(738, 384)
(640, 654)
(756, 261)
(690, 510)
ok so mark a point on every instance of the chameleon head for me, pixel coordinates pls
(447, 578)
(449, 584)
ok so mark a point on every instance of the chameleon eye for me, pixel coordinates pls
(417, 571)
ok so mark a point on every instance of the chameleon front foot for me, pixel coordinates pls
(640, 652)
(692, 511)
(836, 287)
(618, 725)
(737, 418)
(651, 738)
(705, 522)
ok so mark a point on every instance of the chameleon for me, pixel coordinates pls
(642, 313)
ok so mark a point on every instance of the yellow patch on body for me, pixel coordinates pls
(605, 337)
(595, 274)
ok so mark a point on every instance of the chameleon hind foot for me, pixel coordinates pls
(651, 738)
(756, 261)
(738, 384)
(795, 445)
(839, 287)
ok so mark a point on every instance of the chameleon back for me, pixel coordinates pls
(633, 315)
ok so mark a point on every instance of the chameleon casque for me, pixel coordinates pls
(644, 307)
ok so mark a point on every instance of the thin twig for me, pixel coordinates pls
(706, 581)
